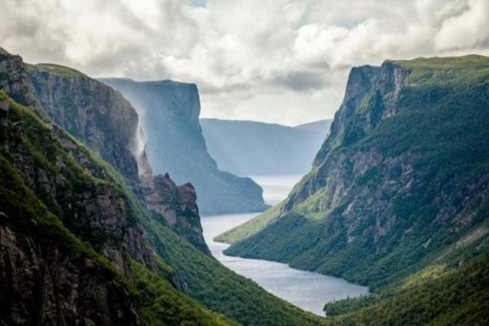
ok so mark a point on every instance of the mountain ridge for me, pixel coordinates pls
(256, 148)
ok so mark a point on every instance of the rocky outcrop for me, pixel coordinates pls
(15, 80)
(176, 205)
(170, 112)
(93, 113)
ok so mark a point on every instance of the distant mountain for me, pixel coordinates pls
(170, 117)
(256, 148)
(398, 197)
(319, 126)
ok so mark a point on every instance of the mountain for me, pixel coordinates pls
(257, 148)
(83, 244)
(399, 189)
(320, 126)
(72, 236)
(170, 117)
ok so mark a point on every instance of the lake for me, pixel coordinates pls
(307, 290)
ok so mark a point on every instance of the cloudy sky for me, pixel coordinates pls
(283, 61)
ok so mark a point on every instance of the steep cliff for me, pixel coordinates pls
(170, 116)
(401, 181)
(96, 115)
(86, 108)
(177, 205)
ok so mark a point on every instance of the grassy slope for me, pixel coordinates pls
(55, 69)
(250, 227)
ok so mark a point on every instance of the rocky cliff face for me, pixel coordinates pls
(48, 275)
(92, 112)
(401, 179)
(15, 80)
(175, 144)
(86, 108)
(43, 283)
(176, 205)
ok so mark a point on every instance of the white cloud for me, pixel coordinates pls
(282, 60)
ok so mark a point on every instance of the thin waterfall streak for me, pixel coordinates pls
(138, 150)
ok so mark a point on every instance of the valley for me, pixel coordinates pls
(307, 290)
(261, 163)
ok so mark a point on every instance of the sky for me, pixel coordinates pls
(281, 61)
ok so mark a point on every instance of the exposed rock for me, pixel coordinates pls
(92, 112)
(104, 121)
(15, 81)
(176, 205)
(44, 284)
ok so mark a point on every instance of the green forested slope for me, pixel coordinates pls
(161, 286)
(401, 184)
(29, 145)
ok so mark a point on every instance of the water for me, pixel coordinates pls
(307, 290)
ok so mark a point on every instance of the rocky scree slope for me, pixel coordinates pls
(402, 180)
(175, 145)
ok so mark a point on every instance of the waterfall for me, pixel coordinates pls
(139, 150)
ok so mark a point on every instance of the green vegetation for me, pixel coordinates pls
(55, 69)
(250, 227)
(37, 146)
(450, 296)
(441, 71)
(162, 304)
(413, 189)
(221, 289)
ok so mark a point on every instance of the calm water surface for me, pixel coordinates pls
(307, 290)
